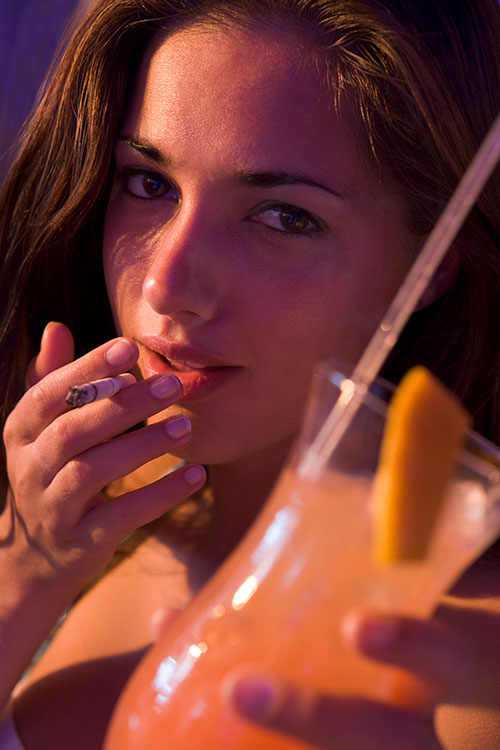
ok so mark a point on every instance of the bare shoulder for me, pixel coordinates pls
(471, 716)
(97, 647)
(114, 614)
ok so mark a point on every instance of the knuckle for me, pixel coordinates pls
(40, 466)
(21, 483)
(16, 431)
(77, 473)
(10, 430)
(40, 396)
(35, 405)
(103, 538)
(62, 433)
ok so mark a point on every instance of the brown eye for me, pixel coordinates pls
(295, 220)
(147, 185)
(286, 218)
(154, 186)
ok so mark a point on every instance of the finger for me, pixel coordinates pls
(84, 476)
(80, 430)
(119, 517)
(56, 350)
(428, 649)
(46, 399)
(325, 721)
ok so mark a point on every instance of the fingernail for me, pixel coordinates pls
(254, 697)
(165, 386)
(120, 353)
(46, 332)
(178, 427)
(195, 475)
(376, 633)
(380, 634)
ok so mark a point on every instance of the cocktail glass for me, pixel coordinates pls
(278, 601)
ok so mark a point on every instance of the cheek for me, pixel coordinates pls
(294, 328)
(125, 262)
(111, 255)
(332, 314)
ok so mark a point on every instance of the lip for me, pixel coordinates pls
(207, 371)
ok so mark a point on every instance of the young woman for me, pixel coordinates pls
(237, 190)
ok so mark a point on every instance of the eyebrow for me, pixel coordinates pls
(241, 176)
(275, 178)
(145, 148)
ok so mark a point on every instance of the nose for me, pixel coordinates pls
(180, 282)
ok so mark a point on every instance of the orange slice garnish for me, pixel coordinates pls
(425, 428)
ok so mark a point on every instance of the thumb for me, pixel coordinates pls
(56, 350)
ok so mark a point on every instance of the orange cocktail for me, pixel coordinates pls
(277, 603)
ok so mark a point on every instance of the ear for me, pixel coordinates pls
(442, 280)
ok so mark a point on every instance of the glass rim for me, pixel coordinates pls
(476, 448)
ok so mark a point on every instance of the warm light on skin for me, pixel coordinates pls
(225, 142)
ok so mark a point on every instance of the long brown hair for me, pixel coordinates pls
(424, 81)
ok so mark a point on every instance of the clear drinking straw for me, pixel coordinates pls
(406, 298)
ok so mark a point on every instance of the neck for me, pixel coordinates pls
(240, 490)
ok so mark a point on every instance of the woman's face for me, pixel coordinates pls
(244, 239)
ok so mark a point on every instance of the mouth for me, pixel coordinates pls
(200, 373)
(188, 366)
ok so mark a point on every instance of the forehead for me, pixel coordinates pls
(221, 98)
(236, 72)
(247, 62)
(252, 95)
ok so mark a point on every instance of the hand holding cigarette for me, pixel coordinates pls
(63, 459)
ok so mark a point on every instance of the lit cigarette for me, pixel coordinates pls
(79, 395)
